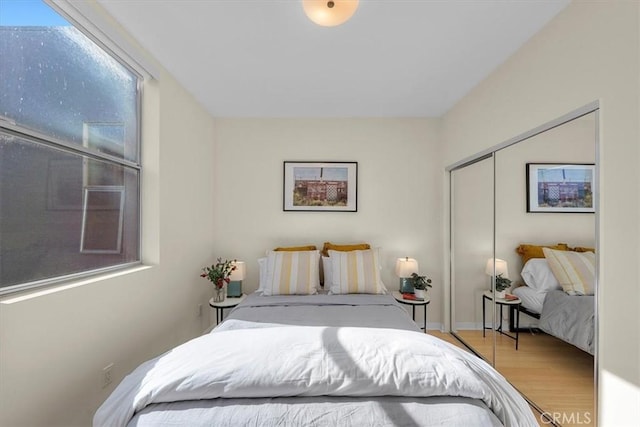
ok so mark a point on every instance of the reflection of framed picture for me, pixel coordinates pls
(102, 215)
(560, 187)
(320, 186)
(64, 184)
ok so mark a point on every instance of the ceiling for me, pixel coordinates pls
(394, 58)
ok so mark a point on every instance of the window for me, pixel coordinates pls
(69, 151)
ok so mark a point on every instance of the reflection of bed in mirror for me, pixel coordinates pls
(569, 318)
(564, 312)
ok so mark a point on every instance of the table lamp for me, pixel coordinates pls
(405, 267)
(234, 288)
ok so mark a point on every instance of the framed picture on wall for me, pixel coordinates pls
(560, 187)
(320, 186)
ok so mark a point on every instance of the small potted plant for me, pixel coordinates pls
(502, 284)
(218, 274)
(420, 285)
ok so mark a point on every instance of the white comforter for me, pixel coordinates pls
(312, 361)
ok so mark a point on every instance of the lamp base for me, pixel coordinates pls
(234, 289)
(406, 287)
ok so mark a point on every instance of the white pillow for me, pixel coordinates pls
(262, 265)
(292, 273)
(328, 273)
(537, 275)
(356, 272)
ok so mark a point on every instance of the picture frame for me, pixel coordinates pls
(320, 186)
(560, 187)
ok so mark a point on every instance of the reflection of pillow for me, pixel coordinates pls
(356, 272)
(355, 247)
(583, 249)
(292, 273)
(575, 271)
(538, 275)
(297, 248)
(535, 251)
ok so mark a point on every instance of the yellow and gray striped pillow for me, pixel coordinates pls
(356, 272)
(292, 273)
(575, 271)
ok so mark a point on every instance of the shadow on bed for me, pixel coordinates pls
(395, 412)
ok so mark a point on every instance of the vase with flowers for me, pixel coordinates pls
(218, 274)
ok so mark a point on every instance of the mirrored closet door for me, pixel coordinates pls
(543, 194)
(472, 240)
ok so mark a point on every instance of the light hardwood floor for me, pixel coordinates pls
(557, 376)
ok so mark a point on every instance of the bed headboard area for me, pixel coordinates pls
(548, 267)
(339, 268)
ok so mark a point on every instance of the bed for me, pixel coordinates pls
(559, 292)
(315, 360)
(569, 318)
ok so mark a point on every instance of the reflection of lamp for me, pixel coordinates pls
(405, 267)
(329, 13)
(501, 268)
(234, 288)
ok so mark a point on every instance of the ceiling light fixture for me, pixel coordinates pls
(329, 13)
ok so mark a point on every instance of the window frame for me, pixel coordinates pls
(12, 128)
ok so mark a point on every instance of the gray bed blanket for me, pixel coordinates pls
(265, 407)
(356, 310)
(570, 318)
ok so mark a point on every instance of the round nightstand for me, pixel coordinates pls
(514, 308)
(413, 303)
(229, 302)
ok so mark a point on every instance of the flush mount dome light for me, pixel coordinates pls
(329, 13)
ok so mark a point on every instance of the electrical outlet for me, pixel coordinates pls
(107, 375)
(199, 312)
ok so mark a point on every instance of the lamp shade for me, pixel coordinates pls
(329, 13)
(501, 267)
(405, 267)
(239, 273)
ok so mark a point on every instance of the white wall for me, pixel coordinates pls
(399, 190)
(54, 343)
(590, 51)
